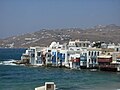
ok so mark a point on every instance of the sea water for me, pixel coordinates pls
(27, 78)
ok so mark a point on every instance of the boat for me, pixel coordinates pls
(47, 86)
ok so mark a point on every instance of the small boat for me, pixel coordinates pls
(47, 86)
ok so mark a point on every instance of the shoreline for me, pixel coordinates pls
(57, 67)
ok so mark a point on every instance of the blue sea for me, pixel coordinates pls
(27, 78)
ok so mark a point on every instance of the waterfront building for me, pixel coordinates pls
(111, 45)
(92, 54)
(117, 48)
(57, 54)
(36, 55)
(25, 58)
(83, 59)
(104, 62)
(76, 54)
(109, 62)
(115, 57)
(78, 43)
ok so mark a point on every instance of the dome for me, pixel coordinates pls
(53, 44)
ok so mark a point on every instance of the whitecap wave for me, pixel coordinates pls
(10, 62)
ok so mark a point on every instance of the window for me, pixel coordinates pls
(33, 50)
(85, 54)
(80, 44)
(38, 53)
(49, 55)
(95, 53)
(84, 45)
(87, 44)
(117, 49)
(49, 50)
(89, 53)
(98, 53)
(48, 85)
(32, 55)
(92, 53)
(76, 44)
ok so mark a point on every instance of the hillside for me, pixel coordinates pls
(108, 33)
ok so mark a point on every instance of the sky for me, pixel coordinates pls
(24, 16)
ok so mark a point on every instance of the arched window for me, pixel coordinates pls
(95, 53)
(89, 53)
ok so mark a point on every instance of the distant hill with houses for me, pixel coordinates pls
(43, 37)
